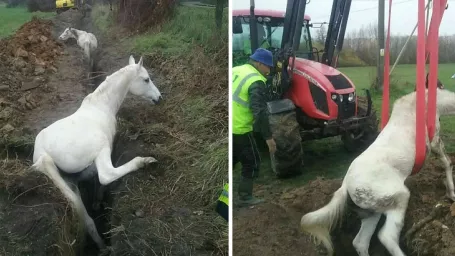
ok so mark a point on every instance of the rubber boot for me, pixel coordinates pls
(246, 197)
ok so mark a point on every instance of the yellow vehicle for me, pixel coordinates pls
(63, 5)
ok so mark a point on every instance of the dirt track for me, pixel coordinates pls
(273, 228)
(151, 212)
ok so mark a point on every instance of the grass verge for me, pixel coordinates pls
(12, 18)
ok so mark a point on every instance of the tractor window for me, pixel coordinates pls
(241, 42)
(269, 36)
(305, 44)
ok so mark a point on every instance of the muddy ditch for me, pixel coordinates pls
(46, 81)
(145, 213)
(273, 227)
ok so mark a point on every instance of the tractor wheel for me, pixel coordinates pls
(362, 139)
(288, 159)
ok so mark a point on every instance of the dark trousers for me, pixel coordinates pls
(223, 210)
(246, 152)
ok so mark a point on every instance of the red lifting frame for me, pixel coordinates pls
(431, 49)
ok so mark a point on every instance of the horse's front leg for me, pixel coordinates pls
(438, 147)
(107, 173)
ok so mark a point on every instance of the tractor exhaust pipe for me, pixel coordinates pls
(253, 28)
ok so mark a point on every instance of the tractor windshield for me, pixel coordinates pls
(269, 36)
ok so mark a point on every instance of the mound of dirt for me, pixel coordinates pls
(26, 61)
(429, 225)
(34, 44)
(35, 219)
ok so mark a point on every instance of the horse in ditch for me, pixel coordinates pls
(374, 182)
(82, 142)
(87, 41)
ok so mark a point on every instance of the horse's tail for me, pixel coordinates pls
(320, 222)
(46, 165)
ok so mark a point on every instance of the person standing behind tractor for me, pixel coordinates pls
(248, 111)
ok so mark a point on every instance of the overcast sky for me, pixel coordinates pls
(363, 12)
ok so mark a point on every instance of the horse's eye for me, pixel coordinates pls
(146, 80)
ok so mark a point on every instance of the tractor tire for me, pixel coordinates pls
(288, 158)
(355, 142)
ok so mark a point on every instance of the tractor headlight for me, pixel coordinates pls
(334, 96)
(351, 97)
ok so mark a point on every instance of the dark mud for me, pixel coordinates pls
(273, 228)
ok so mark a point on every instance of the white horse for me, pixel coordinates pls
(82, 142)
(87, 41)
(374, 181)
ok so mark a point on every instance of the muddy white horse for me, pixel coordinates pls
(374, 181)
(87, 41)
(82, 142)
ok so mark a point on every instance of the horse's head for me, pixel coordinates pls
(438, 83)
(142, 85)
(68, 33)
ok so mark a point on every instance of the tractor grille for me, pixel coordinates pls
(319, 98)
(346, 109)
(339, 82)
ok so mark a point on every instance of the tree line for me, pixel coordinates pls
(363, 44)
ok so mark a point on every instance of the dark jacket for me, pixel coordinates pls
(258, 105)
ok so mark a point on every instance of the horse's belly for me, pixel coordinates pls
(74, 150)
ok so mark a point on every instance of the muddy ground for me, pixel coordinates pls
(150, 212)
(273, 227)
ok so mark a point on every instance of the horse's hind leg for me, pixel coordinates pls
(438, 147)
(389, 234)
(362, 240)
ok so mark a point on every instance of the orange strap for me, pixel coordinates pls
(432, 48)
(420, 81)
(386, 87)
(424, 49)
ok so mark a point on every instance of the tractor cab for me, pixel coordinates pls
(270, 28)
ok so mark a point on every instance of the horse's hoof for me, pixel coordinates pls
(149, 160)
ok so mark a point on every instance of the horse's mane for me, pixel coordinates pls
(112, 80)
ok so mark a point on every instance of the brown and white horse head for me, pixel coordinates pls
(439, 83)
(68, 33)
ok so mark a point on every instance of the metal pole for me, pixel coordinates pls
(380, 63)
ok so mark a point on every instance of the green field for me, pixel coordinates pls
(11, 19)
(327, 157)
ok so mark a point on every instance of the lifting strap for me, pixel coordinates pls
(420, 90)
(386, 89)
(424, 49)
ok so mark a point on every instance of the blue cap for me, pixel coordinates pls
(263, 56)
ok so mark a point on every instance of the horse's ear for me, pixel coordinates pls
(140, 62)
(131, 61)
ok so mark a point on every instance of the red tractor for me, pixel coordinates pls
(309, 98)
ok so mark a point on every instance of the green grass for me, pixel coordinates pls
(11, 19)
(189, 27)
(327, 157)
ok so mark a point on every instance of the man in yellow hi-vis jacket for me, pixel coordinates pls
(249, 109)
